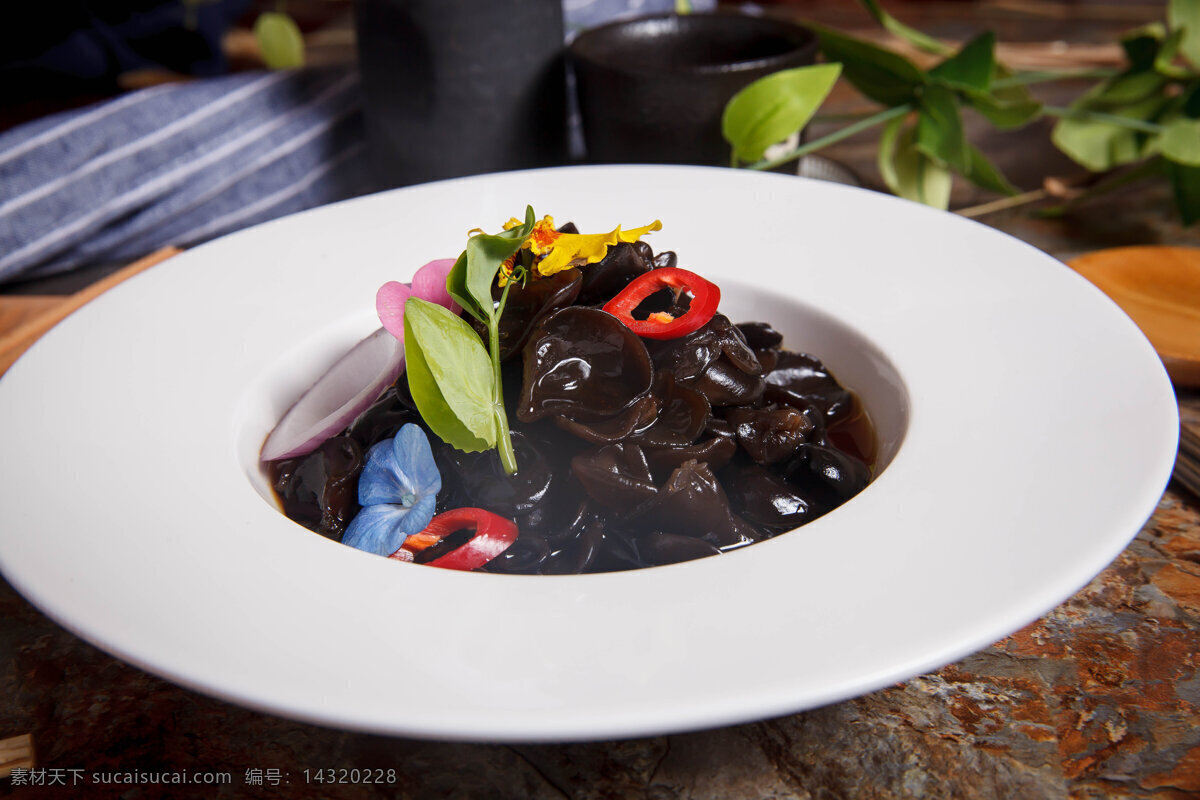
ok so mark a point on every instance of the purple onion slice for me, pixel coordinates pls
(347, 389)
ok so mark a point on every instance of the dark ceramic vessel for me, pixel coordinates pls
(652, 89)
(461, 87)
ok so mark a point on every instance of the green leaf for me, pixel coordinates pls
(1099, 144)
(470, 280)
(886, 156)
(971, 67)
(880, 74)
(1126, 88)
(774, 107)
(913, 36)
(907, 171)
(1180, 141)
(985, 174)
(1185, 15)
(456, 286)
(1164, 61)
(1004, 114)
(450, 376)
(280, 40)
(1141, 45)
(1190, 102)
(940, 133)
(1185, 181)
(1008, 107)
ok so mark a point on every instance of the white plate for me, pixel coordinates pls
(1028, 426)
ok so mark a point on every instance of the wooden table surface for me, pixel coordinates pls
(1099, 698)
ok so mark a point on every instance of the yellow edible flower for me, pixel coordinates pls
(559, 251)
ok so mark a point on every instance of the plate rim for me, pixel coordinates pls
(551, 726)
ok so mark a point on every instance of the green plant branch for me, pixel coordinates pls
(850, 116)
(872, 121)
(1003, 204)
(1145, 106)
(508, 457)
(1142, 126)
(1030, 78)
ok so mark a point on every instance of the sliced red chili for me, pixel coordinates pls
(490, 535)
(704, 297)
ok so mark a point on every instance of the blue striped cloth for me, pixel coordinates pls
(177, 164)
(183, 163)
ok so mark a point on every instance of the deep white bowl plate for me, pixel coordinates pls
(1028, 432)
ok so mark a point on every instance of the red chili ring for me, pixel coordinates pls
(493, 535)
(705, 297)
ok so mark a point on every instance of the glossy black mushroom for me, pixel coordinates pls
(596, 549)
(766, 499)
(716, 451)
(583, 364)
(682, 414)
(666, 259)
(616, 476)
(479, 480)
(385, 416)
(606, 278)
(714, 361)
(760, 336)
(527, 304)
(524, 556)
(764, 340)
(320, 490)
(636, 417)
(773, 434)
(691, 502)
(799, 379)
(658, 548)
(829, 473)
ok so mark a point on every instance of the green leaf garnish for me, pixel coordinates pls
(450, 376)
(459, 377)
(774, 107)
(470, 280)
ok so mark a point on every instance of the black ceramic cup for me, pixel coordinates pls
(652, 89)
(461, 87)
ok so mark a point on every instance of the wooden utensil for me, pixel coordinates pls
(23, 320)
(1159, 288)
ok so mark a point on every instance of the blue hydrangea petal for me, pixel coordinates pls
(414, 457)
(382, 528)
(399, 470)
(379, 482)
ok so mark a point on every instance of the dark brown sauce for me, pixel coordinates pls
(855, 435)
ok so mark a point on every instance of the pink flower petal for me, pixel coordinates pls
(389, 304)
(430, 283)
